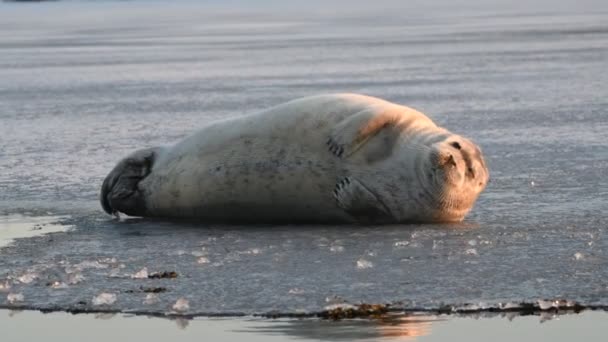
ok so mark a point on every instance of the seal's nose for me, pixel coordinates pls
(446, 160)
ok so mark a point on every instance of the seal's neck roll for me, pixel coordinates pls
(120, 191)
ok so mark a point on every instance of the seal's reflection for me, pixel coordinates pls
(388, 328)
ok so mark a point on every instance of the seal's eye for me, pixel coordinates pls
(456, 145)
(471, 172)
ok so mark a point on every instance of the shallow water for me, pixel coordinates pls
(84, 83)
(101, 327)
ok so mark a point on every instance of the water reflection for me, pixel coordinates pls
(392, 327)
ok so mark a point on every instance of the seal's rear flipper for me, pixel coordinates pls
(120, 191)
(360, 203)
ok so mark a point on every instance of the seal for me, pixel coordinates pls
(339, 158)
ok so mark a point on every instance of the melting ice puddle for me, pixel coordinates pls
(20, 226)
(15, 326)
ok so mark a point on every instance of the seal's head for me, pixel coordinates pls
(458, 174)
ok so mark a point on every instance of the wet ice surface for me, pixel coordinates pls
(83, 84)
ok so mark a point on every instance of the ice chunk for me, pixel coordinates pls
(471, 251)
(151, 298)
(555, 303)
(141, 274)
(509, 306)
(28, 277)
(296, 291)
(203, 260)
(5, 286)
(335, 300)
(58, 285)
(401, 243)
(13, 298)
(181, 305)
(363, 264)
(75, 278)
(336, 249)
(579, 256)
(108, 260)
(104, 298)
(252, 251)
(342, 306)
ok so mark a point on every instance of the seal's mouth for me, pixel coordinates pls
(120, 190)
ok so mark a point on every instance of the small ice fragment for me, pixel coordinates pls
(509, 306)
(472, 242)
(336, 249)
(579, 256)
(532, 183)
(363, 264)
(108, 260)
(5, 286)
(28, 278)
(342, 306)
(466, 307)
(59, 285)
(13, 298)
(471, 251)
(75, 278)
(401, 243)
(198, 253)
(104, 298)
(181, 305)
(296, 291)
(203, 260)
(335, 300)
(151, 298)
(545, 304)
(142, 274)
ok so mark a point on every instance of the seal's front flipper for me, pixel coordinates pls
(353, 132)
(360, 203)
(120, 191)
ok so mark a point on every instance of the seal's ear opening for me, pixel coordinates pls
(120, 191)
